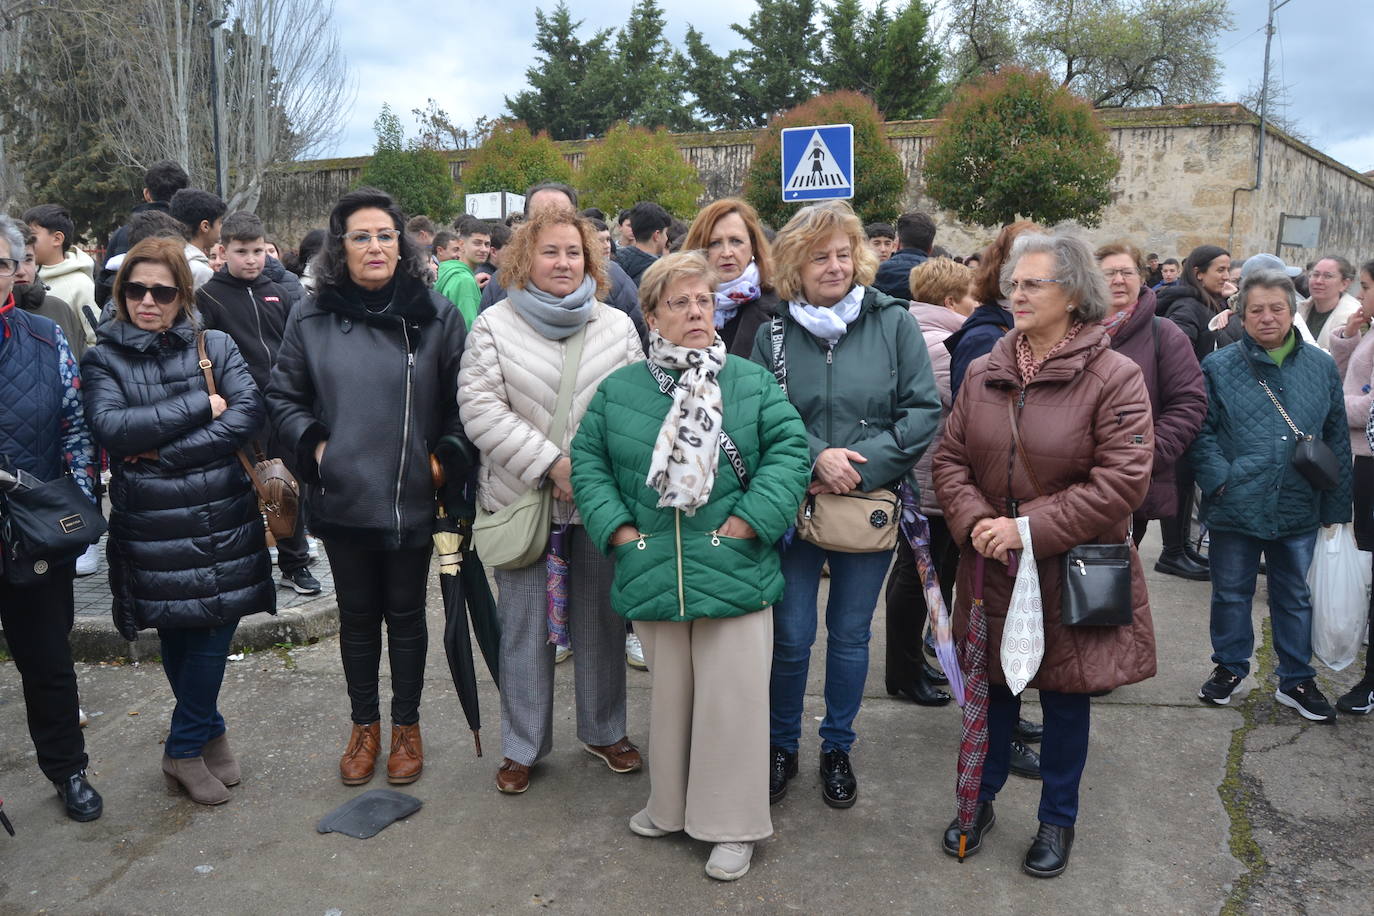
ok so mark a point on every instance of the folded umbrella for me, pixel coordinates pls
(973, 742)
(915, 528)
(448, 543)
(557, 586)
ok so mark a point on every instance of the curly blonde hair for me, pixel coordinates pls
(938, 279)
(518, 257)
(811, 226)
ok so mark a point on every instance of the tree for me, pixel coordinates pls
(1016, 144)
(571, 82)
(777, 70)
(1111, 52)
(879, 180)
(512, 159)
(418, 178)
(440, 132)
(633, 164)
(649, 86)
(893, 61)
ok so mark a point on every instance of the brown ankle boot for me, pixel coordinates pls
(220, 760)
(407, 755)
(189, 774)
(360, 757)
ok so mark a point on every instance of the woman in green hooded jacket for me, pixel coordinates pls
(687, 470)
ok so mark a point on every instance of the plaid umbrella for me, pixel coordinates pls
(915, 528)
(973, 744)
(558, 586)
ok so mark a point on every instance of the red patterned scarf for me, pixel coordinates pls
(1026, 362)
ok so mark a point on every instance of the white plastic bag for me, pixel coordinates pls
(1339, 582)
(1023, 634)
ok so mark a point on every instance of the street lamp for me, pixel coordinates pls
(1274, 6)
(217, 100)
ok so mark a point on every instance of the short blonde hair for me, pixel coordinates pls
(809, 227)
(669, 269)
(518, 256)
(938, 279)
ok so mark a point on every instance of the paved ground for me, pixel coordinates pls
(1185, 808)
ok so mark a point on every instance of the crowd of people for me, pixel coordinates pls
(714, 416)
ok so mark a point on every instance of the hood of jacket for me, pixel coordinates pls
(30, 296)
(1167, 297)
(75, 260)
(937, 316)
(450, 267)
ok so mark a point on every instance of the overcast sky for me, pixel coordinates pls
(469, 62)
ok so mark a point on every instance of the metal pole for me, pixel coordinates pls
(217, 101)
(1264, 90)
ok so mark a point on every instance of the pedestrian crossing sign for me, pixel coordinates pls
(818, 162)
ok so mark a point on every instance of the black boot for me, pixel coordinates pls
(1028, 731)
(782, 766)
(983, 821)
(1048, 855)
(83, 802)
(933, 674)
(1174, 561)
(1025, 762)
(839, 787)
(920, 691)
(1197, 558)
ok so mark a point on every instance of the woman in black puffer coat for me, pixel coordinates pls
(187, 548)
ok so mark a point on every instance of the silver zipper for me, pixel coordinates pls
(257, 316)
(1081, 570)
(405, 426)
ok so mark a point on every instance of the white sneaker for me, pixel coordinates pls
(729, 861)
(81, 718)
(634, 652)
(88, 562)
(643, 825)
(562, 654)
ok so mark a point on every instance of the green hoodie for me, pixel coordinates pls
(457, 284)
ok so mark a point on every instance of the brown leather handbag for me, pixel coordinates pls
(278, 492)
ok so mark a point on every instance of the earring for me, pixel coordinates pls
(1068, 308)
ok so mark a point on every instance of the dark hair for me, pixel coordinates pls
(309, 247)
(154, 224)
(594, 213)
(332, 261)
(1173, 261)
(164, 178)
(987, 277)
(467, 224)
(171, 254)
(916, 229)
(1152, 257)
(418, 224)
(676, 230)
(500, 236)
(598, 223)
(242, 226)
(559, 186)
(880, 231)
(1368, 268)
(622, 216)
(646, 218)
(444, 237)
(54, 218)
(1199, 259)
(192, 206)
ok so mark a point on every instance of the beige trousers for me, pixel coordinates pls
(708, 725)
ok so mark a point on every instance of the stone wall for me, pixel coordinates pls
(1182, 167)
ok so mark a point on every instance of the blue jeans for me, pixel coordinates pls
(856, 579)
(1063, 750)
(193, 660)
(1235, 562)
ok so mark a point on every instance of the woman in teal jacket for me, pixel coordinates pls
(687, 471)
(855, 365)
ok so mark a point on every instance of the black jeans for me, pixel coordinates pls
(372, 586)
(1363, 480)
(293, 552)
(37, 621)
(1175, 531)
(906, 602)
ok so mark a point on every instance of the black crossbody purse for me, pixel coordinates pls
(44, 525)
(1312, 458)
(1095, 580)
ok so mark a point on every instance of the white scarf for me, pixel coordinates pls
(683, 468)
(828, 324)
(731, 295)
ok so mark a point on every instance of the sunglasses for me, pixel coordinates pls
(162, 295)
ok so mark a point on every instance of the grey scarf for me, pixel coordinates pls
(555, 317)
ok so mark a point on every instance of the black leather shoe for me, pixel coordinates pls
(983, 820)
(1025, 762)
(1175, 562)
(1198, 558)
(921, 692)
(82, 800)
(839, 788)
(782, 766)
(1048, 855)
(1026, 730)
(933, 674)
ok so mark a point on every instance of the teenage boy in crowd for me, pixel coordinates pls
(882, 238)
(65, 269)
(457, 277)
(201, 213)
(250, 308)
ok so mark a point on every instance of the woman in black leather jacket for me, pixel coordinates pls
(364, 389)
(187, 551)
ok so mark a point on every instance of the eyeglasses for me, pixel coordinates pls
(8, 267)
(162, 295)
(1031, 286)
(1124, 273)
(703, 302)
(1323, 275)
(384, 238)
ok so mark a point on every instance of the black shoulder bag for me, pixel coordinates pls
(44, 525)
(1312, 458)
(1095, 580)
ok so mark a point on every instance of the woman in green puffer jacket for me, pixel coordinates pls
(692, 520)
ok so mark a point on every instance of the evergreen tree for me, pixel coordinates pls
(778, 69)
(572, 83)
(907, 73)
(650, 84)
(419, 178)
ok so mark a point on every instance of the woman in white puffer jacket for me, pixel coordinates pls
(554, 270)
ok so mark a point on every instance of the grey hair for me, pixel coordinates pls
(1075, 268)
(12, 237)
(1269, 278)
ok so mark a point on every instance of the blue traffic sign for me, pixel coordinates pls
(818, 162)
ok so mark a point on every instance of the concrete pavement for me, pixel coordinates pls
(1185, 808)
